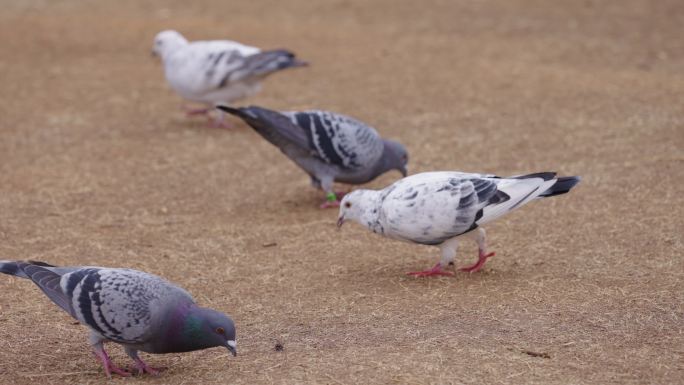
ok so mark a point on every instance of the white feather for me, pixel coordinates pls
(193, 70)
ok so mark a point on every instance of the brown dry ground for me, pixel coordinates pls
(99, 166)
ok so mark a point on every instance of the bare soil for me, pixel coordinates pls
(99, 166)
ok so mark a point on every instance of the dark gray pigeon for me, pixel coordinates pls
(140, 311)
(437, 208)
(330, 147)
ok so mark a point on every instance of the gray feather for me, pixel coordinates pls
(326, 145)
(259, 65)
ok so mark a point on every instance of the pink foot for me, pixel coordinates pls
(144, 368)
(436, 270)
(109, 366)
(482, 258)
(196, 111)
(330, 204)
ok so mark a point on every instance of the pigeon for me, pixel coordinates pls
(140, 311)
(330, 147)
(217, 71)
(437, 208)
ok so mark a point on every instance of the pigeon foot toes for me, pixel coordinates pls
(482, 258)
(436, 270)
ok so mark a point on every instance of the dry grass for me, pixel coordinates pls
(98, 166)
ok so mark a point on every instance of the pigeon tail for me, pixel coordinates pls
(239, 112)
(12, 268)
(267, 62)
(562, 186)
(272, 126)
(544, 175)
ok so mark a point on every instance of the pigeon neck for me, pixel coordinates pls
(370, 211)
(186, 331)
(171, 49)
(386, 162)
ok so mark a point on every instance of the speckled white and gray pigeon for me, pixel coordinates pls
(437, 208)
(330, 147)
(140, 311)
(217, 71)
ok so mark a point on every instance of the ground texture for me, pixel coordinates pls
(99, 166)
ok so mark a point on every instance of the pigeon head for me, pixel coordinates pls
(359, 206)
(166, 42)
(204, 328)
(395, 157)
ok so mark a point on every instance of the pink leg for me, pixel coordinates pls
(144, 368)
(108, 365)
(436, 270)
(482, 258)
(196, 111)
(219, 122)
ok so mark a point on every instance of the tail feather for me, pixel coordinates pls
(267, 62)
(239, 112)
(562, 186)
(544, 175)
(271, 125)
(16, 268)
(12, 268)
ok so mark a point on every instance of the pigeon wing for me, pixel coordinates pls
(48, 282)
(338, 139)
(257, 66)
(430, 209)
(120, 304)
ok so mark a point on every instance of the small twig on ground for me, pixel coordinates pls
(536, 354)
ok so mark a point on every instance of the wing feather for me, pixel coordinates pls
(338, 139)
(49, 283)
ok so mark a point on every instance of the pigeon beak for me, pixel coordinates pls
(232, 347)
(403, 171)
(153, 54)
(340, 221)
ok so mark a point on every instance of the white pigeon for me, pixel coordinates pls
(217, 71)
(437, 208)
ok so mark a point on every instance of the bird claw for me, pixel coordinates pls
(196, 111)
(148, 369)
(482, 258)
(111, 368)
(141, 367)
(436, 270)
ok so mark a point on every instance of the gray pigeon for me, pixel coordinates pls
(437, 208)
(217, 71)
(330, 147)
(140, 311)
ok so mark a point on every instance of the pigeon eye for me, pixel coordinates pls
(220, 330)
(347, 204)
